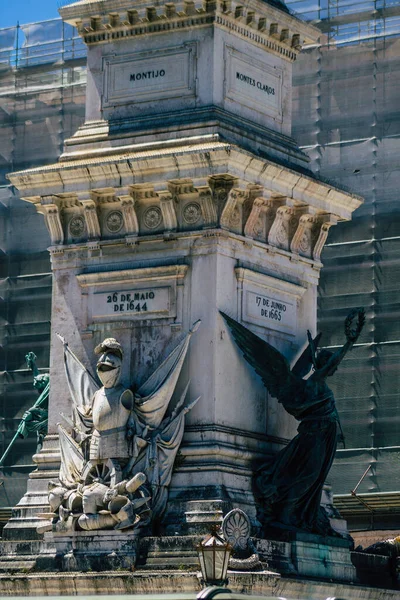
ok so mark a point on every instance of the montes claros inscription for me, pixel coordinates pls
(268, 89)
(253, 83)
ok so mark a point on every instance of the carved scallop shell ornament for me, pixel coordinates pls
(236, 528)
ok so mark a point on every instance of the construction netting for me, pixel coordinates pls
(350, 21)
(42, 97)
(346, 116)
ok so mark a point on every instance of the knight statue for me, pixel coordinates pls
(119, 448)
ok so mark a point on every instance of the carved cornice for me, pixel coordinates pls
(264, 24)
(87, 218)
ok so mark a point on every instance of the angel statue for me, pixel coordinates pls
(288, 489)
(119, 448)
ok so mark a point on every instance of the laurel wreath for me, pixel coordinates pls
(351, 329)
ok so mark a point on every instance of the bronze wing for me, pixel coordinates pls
(267, 361)
(304, 363)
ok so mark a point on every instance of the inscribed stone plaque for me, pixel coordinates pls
(133, 294)
(149, 76)
(268, 301)
(270, 311)
(253, 83)
(135, 303)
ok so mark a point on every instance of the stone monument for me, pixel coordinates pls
(183, 194)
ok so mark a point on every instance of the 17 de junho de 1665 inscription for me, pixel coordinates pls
(269, 311)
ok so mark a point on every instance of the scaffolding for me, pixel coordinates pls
(42, 102)
(350, 21)
(346, 117)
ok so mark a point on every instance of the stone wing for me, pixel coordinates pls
(267, 361)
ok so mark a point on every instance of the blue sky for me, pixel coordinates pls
(27, 11)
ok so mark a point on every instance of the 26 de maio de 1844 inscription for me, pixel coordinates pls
(131, 302)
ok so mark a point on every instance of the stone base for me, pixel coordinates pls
(160, 583)
(88, 551)
(294, 554)
(308, 555)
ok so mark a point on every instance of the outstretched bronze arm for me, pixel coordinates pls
(352, 334)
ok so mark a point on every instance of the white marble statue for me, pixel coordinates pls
(118, 451)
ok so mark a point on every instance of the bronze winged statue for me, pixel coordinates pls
(288, 488)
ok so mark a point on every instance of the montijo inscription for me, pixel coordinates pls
(261, 86)
(147, 75)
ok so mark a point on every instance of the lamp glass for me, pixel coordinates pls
(214, 555)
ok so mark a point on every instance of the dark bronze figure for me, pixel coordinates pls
(289, 488)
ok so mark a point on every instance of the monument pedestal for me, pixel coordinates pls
(88, 551)
(184, 195)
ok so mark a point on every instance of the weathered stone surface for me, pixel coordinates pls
(156, 582)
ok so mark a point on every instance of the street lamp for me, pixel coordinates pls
(214, 553)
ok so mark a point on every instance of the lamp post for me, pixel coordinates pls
(214, 553)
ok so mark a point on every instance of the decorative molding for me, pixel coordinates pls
(152, 217)
(271, 283)
(302, 241)
(129, 214)
(76, 226)
(284, 226)
(91, 218)
(280, 32)
(141, 275)
(207, 206)
(168, 211)
(191, 213)
(50, 209)
(231, 217)
(258, 213)
(326, 222)
(251, 228)
(114, 221)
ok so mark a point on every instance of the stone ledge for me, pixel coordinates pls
(155, 582)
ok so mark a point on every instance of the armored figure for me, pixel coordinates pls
(288, 488)
(118, 453)
(112, 405)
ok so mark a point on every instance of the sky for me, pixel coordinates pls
(27, 11)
